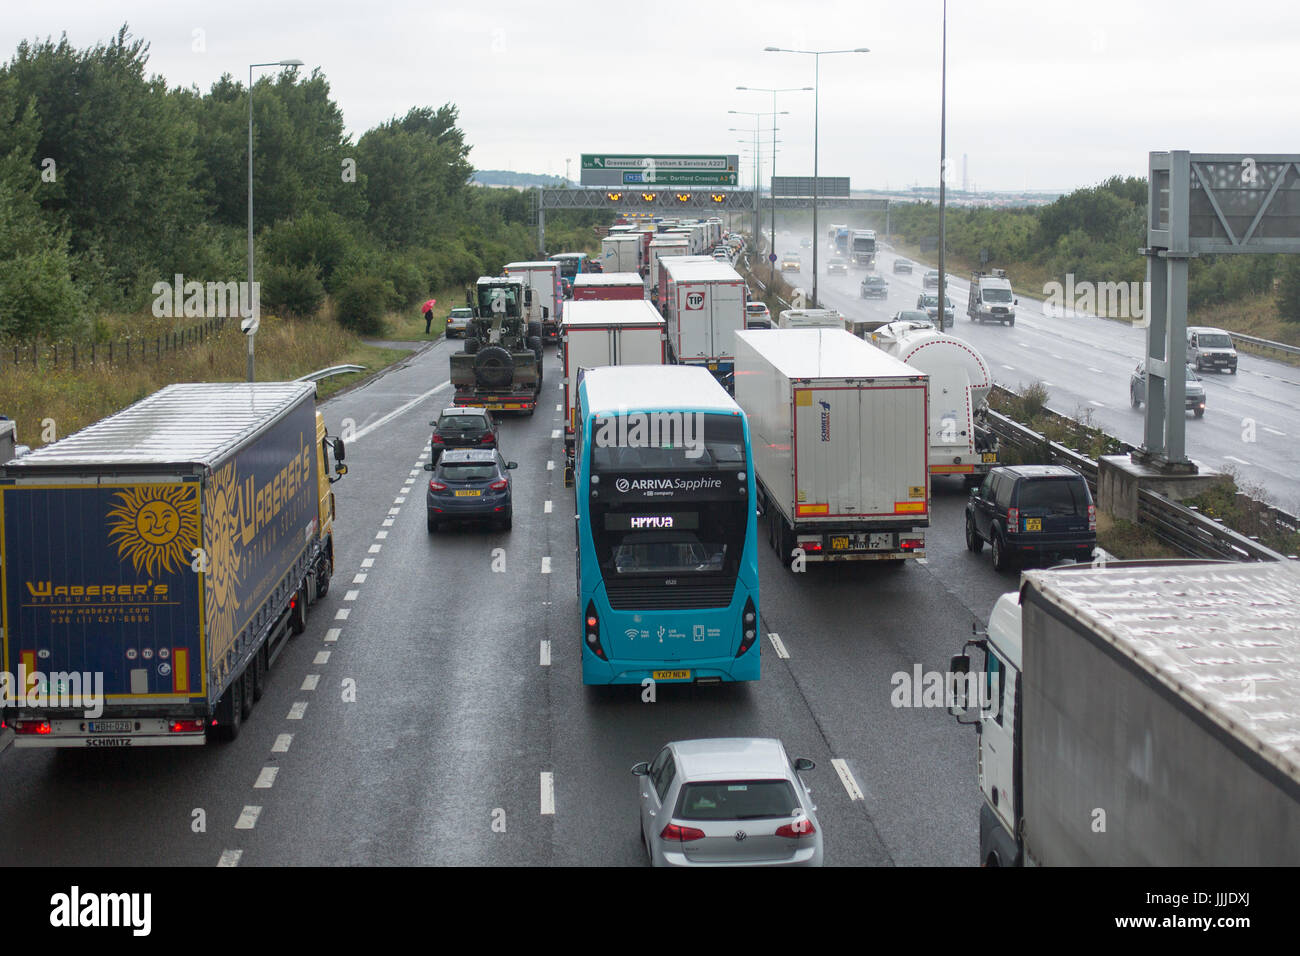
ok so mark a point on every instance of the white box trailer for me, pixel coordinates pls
(960, 383)
(705, 308)
(659, 280)
(593, 286)
(606, 332)
(620, 253)
(548, 294)
(839, 436)
(661, 247)
(1165, 695)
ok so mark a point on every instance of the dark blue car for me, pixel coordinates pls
(469, 485)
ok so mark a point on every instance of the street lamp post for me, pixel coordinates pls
(757, 183)
(251, 320)
(943, 164)
(771, 261)
(817, 59)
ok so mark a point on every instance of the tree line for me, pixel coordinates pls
(111, 181)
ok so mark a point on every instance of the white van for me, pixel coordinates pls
(991, 298)
(1210, 348)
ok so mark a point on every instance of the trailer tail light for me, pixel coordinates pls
(186, 726)
(681, 834)
(800, 828)
(1013, 519)
(1092, 517)
(31, 727)
(912, 544)
(591, 630)
(810, 544)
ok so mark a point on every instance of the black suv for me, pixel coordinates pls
(463, 427)
(1028, 511)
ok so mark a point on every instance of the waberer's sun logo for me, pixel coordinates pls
(156, 527)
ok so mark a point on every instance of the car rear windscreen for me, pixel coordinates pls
(1057, 496)
(737, 800)
(467, 471)
(462, 423)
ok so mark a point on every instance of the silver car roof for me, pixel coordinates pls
(731, 758)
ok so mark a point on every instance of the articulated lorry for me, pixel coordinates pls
(704, 305)
(1139, 714)
(546, 304)
(839, 436)
(156, 562)
(598, 333)
(501, 366)
(960, 382)
(862, 247)
(621, 253)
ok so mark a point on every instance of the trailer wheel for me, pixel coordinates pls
(259, 666)
(298, 616)
(322, 578)
(230, 711)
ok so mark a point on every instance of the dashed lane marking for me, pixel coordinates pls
(230, 857)
(248, 818)
(779, 646)
(846, 778)
(546, 565)
(266, 779)
(322, 657)
(548, 793)
(332, 635)
(281, 745)
(297, 710)
(310, 681)
(546, 653)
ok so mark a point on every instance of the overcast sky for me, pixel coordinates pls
(1041, 95)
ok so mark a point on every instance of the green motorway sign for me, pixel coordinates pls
(630, 169)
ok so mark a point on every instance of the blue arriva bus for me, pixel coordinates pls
(667, 551)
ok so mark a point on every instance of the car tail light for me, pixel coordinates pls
(591, 630)
(800, 828)
(499, 484)
(437, 439)
(1013, 519)
(681, 834)
(31, 727)
(185, 726)
(1092, 517)
(487, 438)
(748, 626)
(436, 485)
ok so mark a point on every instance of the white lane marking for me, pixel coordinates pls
(381, 535)
(1093, 401)
(322, 657)
(332, 634)
(550, 466)
(559, 408)
(1274, 431)
(352, 595)
(230, 857)
(555, 433)
(546, 653)
(546, 565)
(281, 745)
(266, 779)
(374, 549)
(297, 710)
(548, 793)
(1097, 370)
(1240, 461)
(388, 522)
(781, 652)
(399, 501)
(922, 560)
(359, 578)
(310, 681)
(415, 473)
(546, 508)
(401, 409)
(846, 778)
(1009, 368)
(368, 563)
(394, 511)
(342, 614)
(248, 818)
(1050, 384)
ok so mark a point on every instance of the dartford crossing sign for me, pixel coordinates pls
(626, 169)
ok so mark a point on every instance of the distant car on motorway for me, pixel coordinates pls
(468, 485)
(459, 426)
(837, 265)
(1193, 394)
(736, 800)
(930, 304)
(912, 315)
(757, 316)
(1211, 348)
(874, 287)
(791, 263)
(902, 265)
(1030, 512)
(930, 280)
(805, 243)
(458, 322)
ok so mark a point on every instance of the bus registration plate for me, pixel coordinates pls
(671, 675)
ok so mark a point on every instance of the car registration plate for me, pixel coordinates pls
(1033, 524)
(468, 494)
(989, 457)
(109, 726)
(671, 675)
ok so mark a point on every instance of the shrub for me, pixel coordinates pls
(294, 291)
(361, 304)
